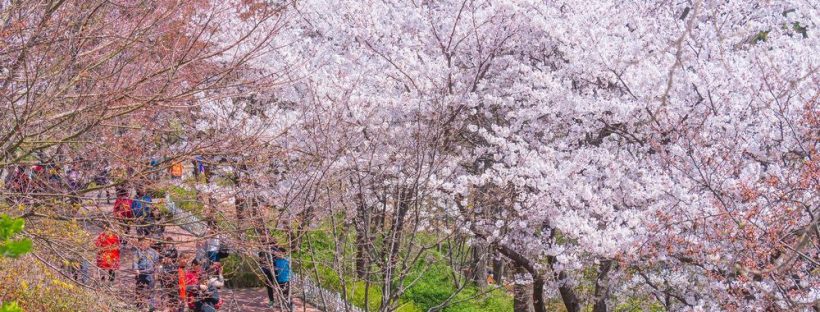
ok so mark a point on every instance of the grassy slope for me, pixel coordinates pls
(433, 283)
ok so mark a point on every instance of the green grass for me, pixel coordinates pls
(183, 198)
(429, 282)
(638, 305)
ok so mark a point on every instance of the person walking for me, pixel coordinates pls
(122, 209)
(169, 283)
(193, 275)
(153, 163)
(101, 180)
(169, 249)
(108, 253)
(199, 166)
(74, 182)
(281, 266)
(182, 282)
(213, 246)
(276, 268)
(157, 227)
(141, 209)
(176, 170)
(145, 263)
(18, 183)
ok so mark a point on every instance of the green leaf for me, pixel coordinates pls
(10, 307)
(15, 248)
(10, 226)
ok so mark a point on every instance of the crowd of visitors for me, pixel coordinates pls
(165, 279)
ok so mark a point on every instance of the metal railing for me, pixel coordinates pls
(186, 220)
(324, 299)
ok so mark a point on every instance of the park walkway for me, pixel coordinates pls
(235, 300)
(255, 299)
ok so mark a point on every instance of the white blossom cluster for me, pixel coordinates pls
(678, 139)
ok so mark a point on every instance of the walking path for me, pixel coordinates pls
(255, 299)
(238, 300)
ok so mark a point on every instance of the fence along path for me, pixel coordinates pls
(327, 300)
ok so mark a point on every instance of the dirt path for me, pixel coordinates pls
(255, 299)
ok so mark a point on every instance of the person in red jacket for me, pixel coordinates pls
(108, 253)
(192, 276)
(122, 209)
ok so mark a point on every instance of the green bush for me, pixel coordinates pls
(494, 301)
(10, 307)
(328, 278)
(408, 306)
(430, 288)
(10, 245)
(241, 272)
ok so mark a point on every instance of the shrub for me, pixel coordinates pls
(241, 272)
(36, 287)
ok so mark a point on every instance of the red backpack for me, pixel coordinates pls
(122, 208)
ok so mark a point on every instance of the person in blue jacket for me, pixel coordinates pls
(141, 209)
(276, 258)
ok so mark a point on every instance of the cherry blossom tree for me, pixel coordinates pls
(659, 151)
(93, 86)
(565, 128)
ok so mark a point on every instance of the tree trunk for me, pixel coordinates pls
(522, 291)
(602, 286)
(207, 173)
(498, 267)
(568, 295)
(239, 203)
(239, 199)
(393, 243)
(571, 301)
(538, 302)
(362, 226)
(480, 256)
